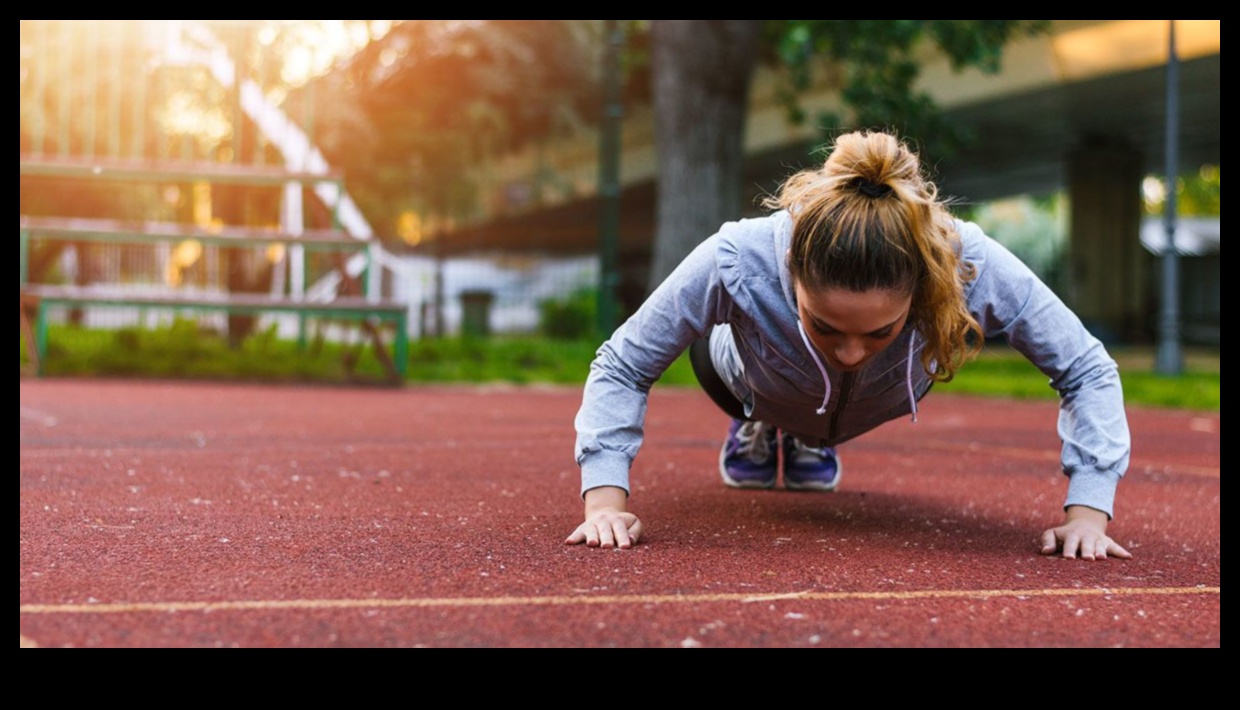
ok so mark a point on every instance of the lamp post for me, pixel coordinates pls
(1170, 360)
(609, 177)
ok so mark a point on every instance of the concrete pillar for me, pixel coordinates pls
(1110, 272)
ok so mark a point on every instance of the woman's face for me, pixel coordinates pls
(850, 327)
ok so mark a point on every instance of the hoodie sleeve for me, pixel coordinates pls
(610, 422)
(1008, 299)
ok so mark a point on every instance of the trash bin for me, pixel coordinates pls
(476, 321)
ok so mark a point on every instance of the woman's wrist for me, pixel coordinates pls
(606, 497)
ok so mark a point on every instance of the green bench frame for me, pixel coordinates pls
(43, 297)
(40, 297)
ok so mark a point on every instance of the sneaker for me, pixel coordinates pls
(809, 469)
(750, 455)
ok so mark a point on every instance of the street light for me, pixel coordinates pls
(1170, 360)
(609, 177)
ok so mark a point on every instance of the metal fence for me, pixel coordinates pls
(198, 94)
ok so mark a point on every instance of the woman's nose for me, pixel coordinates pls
(849, 353)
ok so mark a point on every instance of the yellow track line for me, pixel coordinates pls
(583, 600)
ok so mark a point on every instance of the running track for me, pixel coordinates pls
(158, 514)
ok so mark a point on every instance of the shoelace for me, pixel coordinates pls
(753, 441)
(799, 449)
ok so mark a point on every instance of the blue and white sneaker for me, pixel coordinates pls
(749, 457)
(807, 468)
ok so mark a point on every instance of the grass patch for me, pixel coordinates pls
(518, 360)
(1002, 372)
(182, 350)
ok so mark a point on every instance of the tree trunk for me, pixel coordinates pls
(701, 71)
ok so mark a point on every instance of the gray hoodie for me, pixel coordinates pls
(739, 277)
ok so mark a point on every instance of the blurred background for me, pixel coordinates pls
(391, 200)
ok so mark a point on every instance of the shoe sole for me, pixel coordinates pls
(815, 485)
(733, 483)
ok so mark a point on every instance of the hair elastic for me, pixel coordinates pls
(873, 189)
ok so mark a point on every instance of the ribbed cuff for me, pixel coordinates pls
(605, 468)
(1094, 488)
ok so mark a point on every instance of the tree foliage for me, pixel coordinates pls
(410, 112)
(1197, 194)
(877, 64)
(432, 99)
(873, 64)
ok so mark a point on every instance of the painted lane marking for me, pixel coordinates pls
(629, 599)
(37, 415)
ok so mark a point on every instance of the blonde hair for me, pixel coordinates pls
(867, 219)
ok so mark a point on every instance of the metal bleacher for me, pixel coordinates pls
(227, 214)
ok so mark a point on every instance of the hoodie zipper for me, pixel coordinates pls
(846, 384)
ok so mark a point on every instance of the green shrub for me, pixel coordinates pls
(573, 317)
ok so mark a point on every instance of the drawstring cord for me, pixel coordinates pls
(826, 380)
(908, 375)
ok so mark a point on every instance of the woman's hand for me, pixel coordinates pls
(607, 523)
(1083, 534)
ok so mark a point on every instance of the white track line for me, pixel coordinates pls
(162, 607)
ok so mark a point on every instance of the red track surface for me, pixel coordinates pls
(199, 515)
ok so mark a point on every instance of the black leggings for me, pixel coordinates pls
(708, 377)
